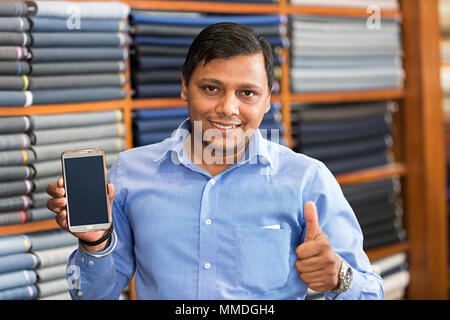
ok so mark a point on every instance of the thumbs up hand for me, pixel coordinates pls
(317, 263)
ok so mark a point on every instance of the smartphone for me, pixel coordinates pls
(85, 182)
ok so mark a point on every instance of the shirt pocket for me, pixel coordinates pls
(262, 258)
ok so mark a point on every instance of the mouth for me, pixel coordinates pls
(224, 127)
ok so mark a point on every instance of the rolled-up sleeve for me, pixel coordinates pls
(338, 221)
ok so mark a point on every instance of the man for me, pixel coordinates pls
(217, 211)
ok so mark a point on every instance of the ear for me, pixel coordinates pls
(267, 108)
(183, 95)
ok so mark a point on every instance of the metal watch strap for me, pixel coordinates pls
(102, 239)
(345, 278)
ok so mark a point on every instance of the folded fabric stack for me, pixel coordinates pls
(53, 134)
(30, 151)
(76, 53)
(161, 42)
(338, 54)
(378, 210)
(393, 270)
(382, 4)
(16, 172)
(155, 125)
(15, 40)
(33, 265)
(346, 137)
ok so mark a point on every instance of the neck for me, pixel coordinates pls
(206, 158)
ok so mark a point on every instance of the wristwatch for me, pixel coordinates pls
(345, 278)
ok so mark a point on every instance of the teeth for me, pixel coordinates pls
(223, 127)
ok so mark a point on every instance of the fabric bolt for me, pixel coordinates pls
(13, 9)
(64, 120)
(337, 112)
(52, 272)
(14, 68)
(13, 53)
(39, 214)
(52, 152)
(56, 256)
(16, 188)
(42, 240)
(49, 288)
(363, 192)
(357, 163)
(57, 54)
(149, 50)
(12, 173)
(151, 125)
(17, 279)
(40, 184)
(64, 68)
(15, 98)
(14, 141)
(18, 83)
(53, 167)
(91, 9)
(152, 137)
(322, 62)
(76, 81)
(161, 113)
(388, 212)
(72, 134)
(179, 41)
(159, 62)
(40, 199)
(16, 24)
(48, 24)
(17, 262)
(58, 296)
(158, 90)
(77, 95)
(369, 211)
(76, 39)
(383, 239)
(158, 76)
(336, 150)
(15, 203)
(21, 39)
(250, 20)
(28, 292)
(16, 157)
(14, 244)
(15, 217)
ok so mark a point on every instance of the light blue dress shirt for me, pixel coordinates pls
(189, 235)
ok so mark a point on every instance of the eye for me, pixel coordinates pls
(248, 93)
(210, 88)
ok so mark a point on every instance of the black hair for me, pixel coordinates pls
(225, 40)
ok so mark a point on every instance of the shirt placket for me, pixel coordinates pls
(207, 242)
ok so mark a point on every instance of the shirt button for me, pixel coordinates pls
(79, 293)
(207, 265)
(213, 181)
(208, 222)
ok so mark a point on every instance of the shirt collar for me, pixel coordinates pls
(257, 150)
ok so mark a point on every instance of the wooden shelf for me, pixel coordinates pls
(202, 6)
(28, 227)
(388, 250)
(338, 97)
(377, 173)
(63, 108)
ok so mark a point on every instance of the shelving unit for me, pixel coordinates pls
(420, 161)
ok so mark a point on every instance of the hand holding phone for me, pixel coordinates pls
(83, 200)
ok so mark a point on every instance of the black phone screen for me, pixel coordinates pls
(86, 190)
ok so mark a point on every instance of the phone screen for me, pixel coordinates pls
(86, 191)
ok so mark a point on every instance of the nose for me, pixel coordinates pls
(228, 105)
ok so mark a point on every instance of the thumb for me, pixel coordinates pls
(311, 221)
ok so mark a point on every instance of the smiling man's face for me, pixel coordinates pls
(228, 98)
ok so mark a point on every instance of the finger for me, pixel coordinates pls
(316, 276)
(55, 191)
(311, 221)
(60, 182)
(310, 264)
(61, 220)
(309, 249)
(319, 286)
(56, 204)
